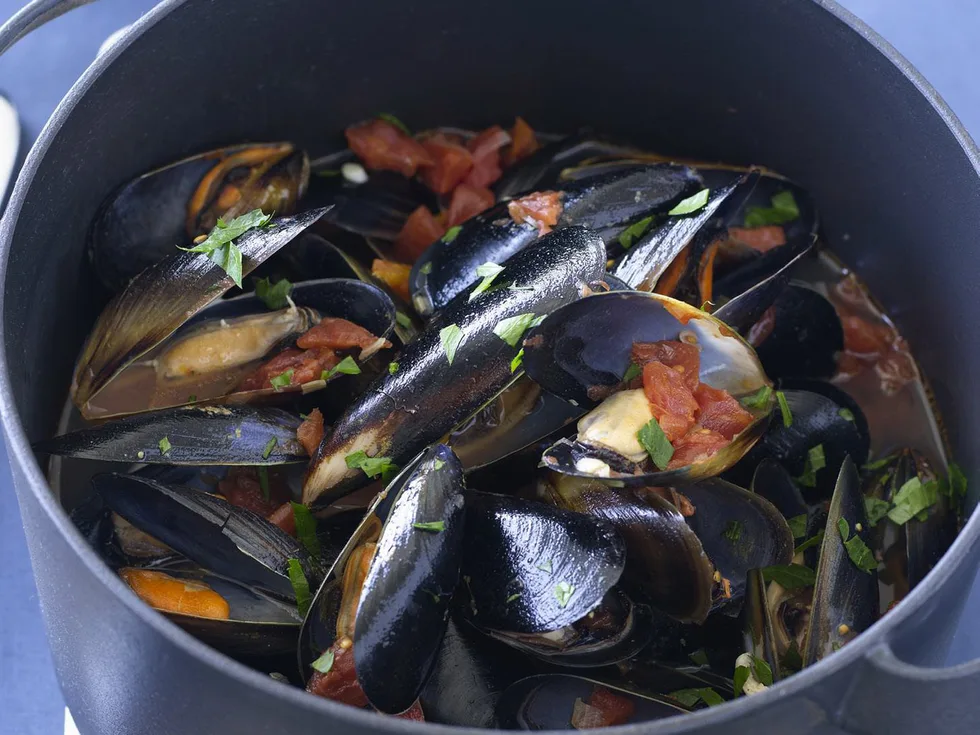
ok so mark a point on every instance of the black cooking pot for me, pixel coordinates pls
(798, 85)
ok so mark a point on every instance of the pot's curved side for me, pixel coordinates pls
(812, 113)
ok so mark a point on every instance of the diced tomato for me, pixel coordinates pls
(242, 487)
(450, 163)
(467, 201)
(394, 275)
(540, 208)
(288, 359)
(310, 432)
(861, 337)
(696, 446)
(616, 709)
(413, 713)
(284, 517)
(762, 239)
(720, 411)
(337, 334)
(485, 148)
(523, 142)
(340, 683)
(381, 145)
(671, 401)
(420, 230)
(684, 358)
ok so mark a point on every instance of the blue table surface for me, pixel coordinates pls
(939, 37)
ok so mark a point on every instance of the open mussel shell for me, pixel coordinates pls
(433, 390)
(665, 562)
(760, 639)
(225, 539)
(162, 298)
(845, 597)
(140, 224)
(537, 568)
(548, 702)
(772, 482)
(190, 435)
(244, 332)
(446, 269)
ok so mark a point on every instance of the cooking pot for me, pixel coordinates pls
(798, 85)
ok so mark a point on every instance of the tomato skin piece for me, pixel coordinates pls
(616, 710)
(451, 162)
(288, 359)
(284, 517)
(337, 334)
(340, 683)
(468, 201)
(310, 432)
(762, 239)
(394, 275)
(863, 338)
(485, 148)
(382, 146)
(720, 412)
(696, 446)
(523, 142)
(420, 230)
(241, 487)
(675, 354)
(540, 208)
(671, 401)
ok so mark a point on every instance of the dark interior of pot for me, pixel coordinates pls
(783, 85)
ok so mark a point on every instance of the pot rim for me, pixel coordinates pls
(20, 453)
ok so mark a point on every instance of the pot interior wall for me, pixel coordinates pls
(756, 81)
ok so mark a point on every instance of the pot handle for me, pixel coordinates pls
(33, 15)
(890, 696)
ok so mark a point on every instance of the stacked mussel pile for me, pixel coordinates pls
(528, 468)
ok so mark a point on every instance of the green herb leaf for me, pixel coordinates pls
(347, 366)
(511, 329)
(690, 697)
(438, 464)
(738, 680)
(792, 660)
(324, 663)
(815, 540)
(691, 204)
(164, 445)
(653, 439)
(545, 566)
(388, 473)
(784, 409)
(513, 597)
(451, 234)
(451, 337)
(431, 526)
(762, 671)
(306, 529)
(282, 380)
(219, 245)
(269, 446)
(301, 588)
(488, 272)
(815, 460)
(426, 268)
(634, 232)
(846, 414)
(389, 118)
(633, 371)
(192, 398)
(759, 399)
(392, 368)
(911, 499)
(857, 550)
(957, 482)
(329, 173)
(699, 657)
(403, 319)
(797, 524)
(733, 531)
(880, 463)
(229, 259)
(563, 593)
(875, 509)
(790, 576)
(783, 210)
(371, 466)
(264, 482)
(274, 296)
(518, 361)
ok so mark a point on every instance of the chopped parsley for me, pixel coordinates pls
(438, 464)
(451, 234)
(269, 446)
(392, 368)
(634, 232)
(815, 540)
(518, 361)
(325, 662)
(220, 247)
(815, 461)
(790, 576)
(403, 319)
(282, 380)
(880, 463)
(431, 526)
(699, 657)
(563, 593)
(511, 329)
(165, 445)
(301, 588)
(347, 366)
(912, 498)
(875, 509)
(426, 268)
(692, 204)
(633, 371)
(264, 482)
(759, 399)
(488, 272)
(329, 173)
(513, 597)
(846, 414)
(653, 439)
(306, 529)
(451, 337)
(389, 118)
(784, 409)
(733, 531)
(956, 483)
(797, 524)
(738, 680)
(192, 398)
(759, 669)
(784, 209)
(792, 660)
(371, 466)
(545, 566)
(274, 296)
(859, 552)
(690, 697)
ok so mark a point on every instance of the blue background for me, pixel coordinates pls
(938, 36)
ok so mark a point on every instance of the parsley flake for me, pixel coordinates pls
(875, 509)
(269, 446)
(451, 337)
(563, 593)
(347, 366)
(371, 466)
(692, 204)
(815, 461)
(511, 329)
(282, 380)
(438, 464)
(488, 272)
(165, 446)
(220, 247)
(426, 268)
(784, 409)
(451, 234)
(324, 663)
(733, 531)
(634, 232)
(389, 118)
(857, 550)
(392, 368)
(911, 499)
(879, 463)
(815, 540)
(306, 529)
(403, 319)
(690, 697)
(653, 439)
(431, 526)
(633, 371)
(790, 576)
(518, 361)
(301, 588)
(699, 657)
(264, 482)
(545, 566)
(847, 414)
(784, 209)
(758, 400)
(513, 597)
(274, 296)
(797, 524)
(738, 680)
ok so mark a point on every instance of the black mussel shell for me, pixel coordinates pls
(537, 568)
(225, 539)
(162, 298)
(548, 702)
(447, 269)
(772, 482)
(665, 562)
(760, 639)
(140, 224)
(845, 597)
(190, 435)
(428, 394)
